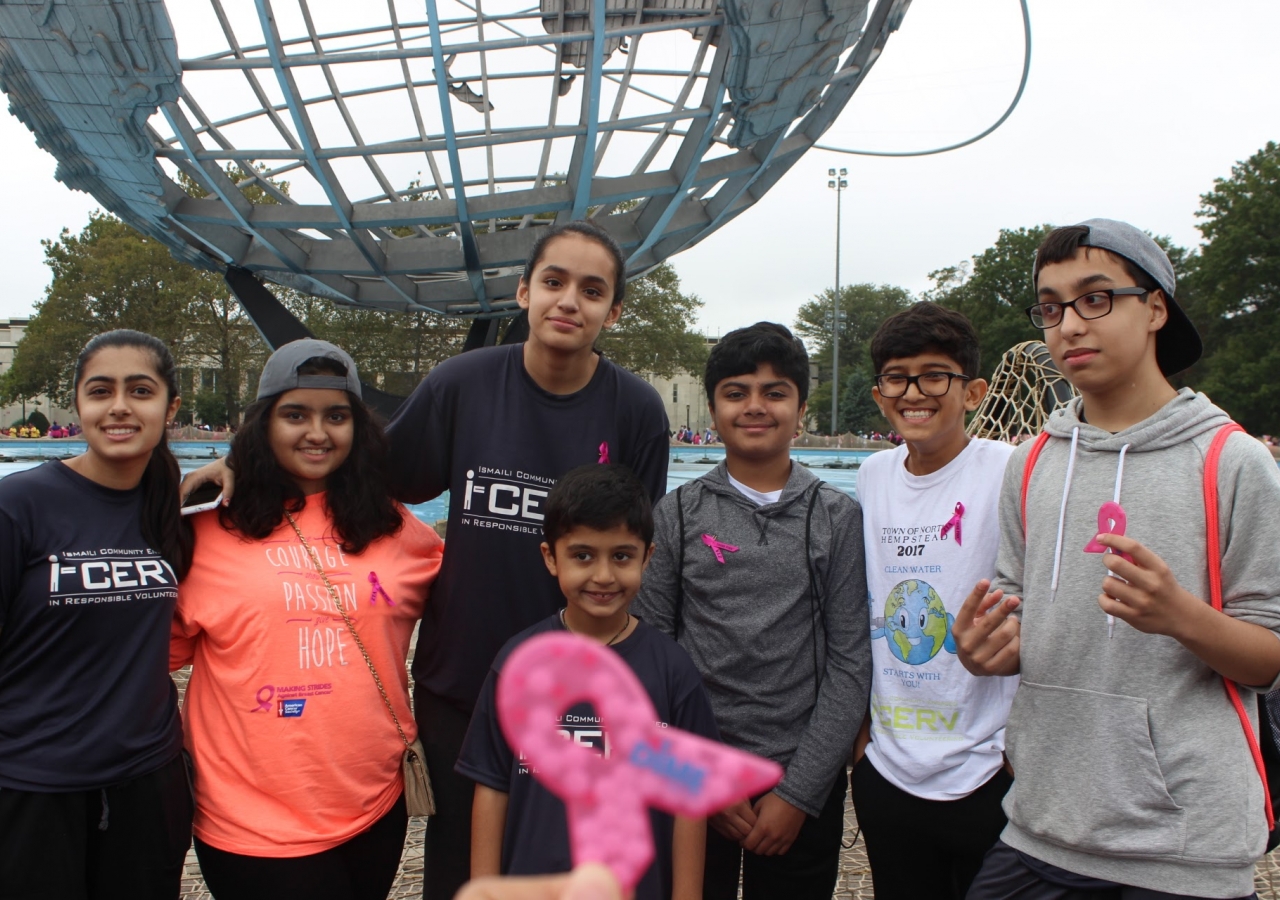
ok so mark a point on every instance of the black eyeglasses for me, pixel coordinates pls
(931, 384)
(1093, 305)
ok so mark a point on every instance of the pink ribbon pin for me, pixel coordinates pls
(378, 589)
(604, 454)
(607, 800)
(954, 521)
(716, 546)
(1111, 520)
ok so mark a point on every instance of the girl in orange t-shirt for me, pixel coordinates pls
(298, 783)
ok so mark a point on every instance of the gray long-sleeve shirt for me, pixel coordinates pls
(788, 673)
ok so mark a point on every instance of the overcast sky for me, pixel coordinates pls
(1132, 109)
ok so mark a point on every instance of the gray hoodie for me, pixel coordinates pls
(1130, 762)
(749, 622)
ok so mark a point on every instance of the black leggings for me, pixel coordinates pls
(362, 868)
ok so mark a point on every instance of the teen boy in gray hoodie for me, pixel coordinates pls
(1133, 775)
(758, 572)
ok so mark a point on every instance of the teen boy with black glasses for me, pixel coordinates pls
(929, 760)
(1134, 776)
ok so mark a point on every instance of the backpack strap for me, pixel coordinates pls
(679, 605)
(1041, 440)
(1215, 596)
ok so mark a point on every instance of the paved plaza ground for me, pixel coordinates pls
(854, 882)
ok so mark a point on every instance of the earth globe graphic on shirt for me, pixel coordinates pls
(916, 624)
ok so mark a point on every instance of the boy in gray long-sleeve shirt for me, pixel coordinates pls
(759, 574)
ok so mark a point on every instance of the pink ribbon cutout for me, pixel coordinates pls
(716, 546)
(1111, 520)
(378, 589)
(607, 800)
(954, 520)
(604, 454)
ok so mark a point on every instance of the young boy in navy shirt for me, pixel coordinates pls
(929, 760)
(1134, 776)
(759, 573)
(599, 538)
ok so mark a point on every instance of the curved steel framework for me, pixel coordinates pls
(406, 162)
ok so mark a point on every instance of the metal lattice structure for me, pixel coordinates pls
(425, 142)
(1025, 388)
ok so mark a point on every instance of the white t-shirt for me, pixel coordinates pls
(759, 498)
(937, 732)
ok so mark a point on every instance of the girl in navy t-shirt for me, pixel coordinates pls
(94, 795)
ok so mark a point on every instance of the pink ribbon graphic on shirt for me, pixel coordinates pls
(607, 800)
(264, 703)
(954, 521)
(378, 589)
(604, 454)
(1111, 520)
(716, 546)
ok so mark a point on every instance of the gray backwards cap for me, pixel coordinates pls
(280, 374)
(1178, 343)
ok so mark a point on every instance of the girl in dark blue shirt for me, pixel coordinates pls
(94, 797)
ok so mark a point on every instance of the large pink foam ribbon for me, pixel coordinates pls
(954, 522)
(1111, 520)
(604, 453)
(607, 799)
(718, 546)
(378, 589)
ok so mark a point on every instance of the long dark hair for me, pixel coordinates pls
(162, 524)
(356, 492)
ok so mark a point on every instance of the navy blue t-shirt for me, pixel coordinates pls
(85, 610)
(481, 428)
(536, 838)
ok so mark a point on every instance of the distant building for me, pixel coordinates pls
(11, 332)
(683, 396)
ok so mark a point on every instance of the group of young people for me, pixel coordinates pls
(1023, 654)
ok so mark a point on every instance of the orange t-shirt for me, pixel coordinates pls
(294, 749)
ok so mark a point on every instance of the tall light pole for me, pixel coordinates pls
(837, 183)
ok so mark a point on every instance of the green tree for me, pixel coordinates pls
(1237, 291)
(107, 276)
(858, 411)
(392, 350)
(655, 333)
(993, 290)
(862, 307)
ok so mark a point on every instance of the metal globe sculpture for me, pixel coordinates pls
(392, 156)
